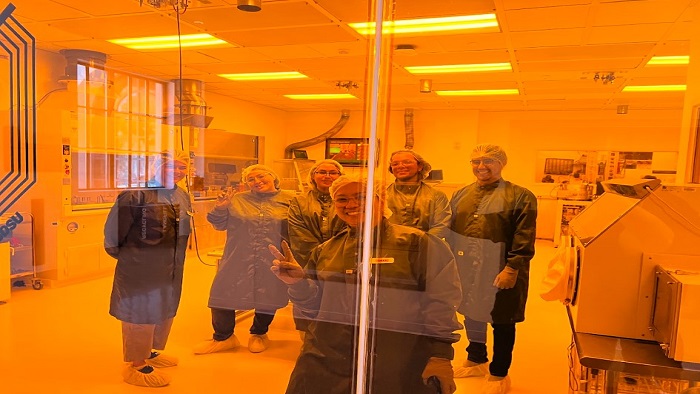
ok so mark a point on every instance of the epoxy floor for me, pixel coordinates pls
(62, 340)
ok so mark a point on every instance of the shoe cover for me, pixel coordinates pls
(258, 343)
(495, 385)
(214, 346)
(154, 378)
(162, 361)
(471, 370)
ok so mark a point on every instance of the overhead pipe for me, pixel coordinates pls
(408, 126)
(289, 150)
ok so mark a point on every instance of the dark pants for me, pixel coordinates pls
(503, 343)
(224, 321)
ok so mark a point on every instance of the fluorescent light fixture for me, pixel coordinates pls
(459, 68)
(431, 25)
(331, 96)
(264, 76)
(168, 42)
(480, 92)
(668, 60)
(654, 88)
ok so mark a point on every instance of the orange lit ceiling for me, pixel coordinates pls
(555, 47)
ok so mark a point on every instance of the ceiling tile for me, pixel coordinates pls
(45, 33)
(549, 18)
(288, 36)
(433, 9)
(524, 4)
(637, 12)
(592, 65)
(636, 50)
(107, 7)
(234, 55)
(681, 31)
(346, 11)
(44, 10)
(472, 57)
(125, 26)
(625, 34)
(290, 52)
(274, 15)
(547, 38)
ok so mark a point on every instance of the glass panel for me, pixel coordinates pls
(600, 215)
(81, 80)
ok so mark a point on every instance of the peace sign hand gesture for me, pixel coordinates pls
(224, 197)
(284, 266)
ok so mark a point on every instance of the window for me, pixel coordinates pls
(118, 124)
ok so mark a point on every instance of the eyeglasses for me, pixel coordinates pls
(486, 162)
(329, 173)
(402, 162)
(258, 177)
(343, 201)
(174, 167)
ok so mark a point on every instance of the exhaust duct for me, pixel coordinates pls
(408, 126)
(73, 56)
(191, 109)
(288, 151)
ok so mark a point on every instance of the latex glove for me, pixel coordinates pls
(506, 278)
(224, 198)
(441, 368)
(284, 266)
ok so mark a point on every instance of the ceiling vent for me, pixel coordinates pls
(249, 5)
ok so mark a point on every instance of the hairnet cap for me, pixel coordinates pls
(490, 151)
(344, 180)
(379, 189)
(163, 157)
(260, 167)
(421, 161)
(315, 166)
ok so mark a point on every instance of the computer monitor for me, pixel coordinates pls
(300, 154)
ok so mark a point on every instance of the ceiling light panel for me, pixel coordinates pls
(655, 88)
(170, 42)
(479, 92)
(481, 23)
(276, 76)
(668, 60)
(459, 68)
(330, 96)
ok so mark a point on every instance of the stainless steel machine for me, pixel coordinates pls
(615, 247)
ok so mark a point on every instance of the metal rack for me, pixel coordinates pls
(22, 256)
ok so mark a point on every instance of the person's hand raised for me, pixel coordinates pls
(224, 197)
(284, 266)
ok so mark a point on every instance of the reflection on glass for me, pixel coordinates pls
(414, 291)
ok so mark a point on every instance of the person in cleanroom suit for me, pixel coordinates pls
(312, 218)
(252, 220)
(146, 231)
(493, 241)
(414, 294)
(412, 201)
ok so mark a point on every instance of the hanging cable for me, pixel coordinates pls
(178, 12)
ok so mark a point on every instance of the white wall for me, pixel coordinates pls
(446, 137)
